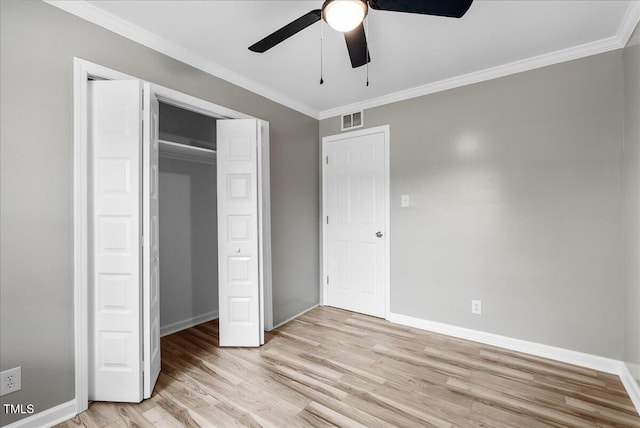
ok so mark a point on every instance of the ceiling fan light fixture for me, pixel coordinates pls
(344, 15)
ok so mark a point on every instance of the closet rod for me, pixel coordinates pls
(174, 150)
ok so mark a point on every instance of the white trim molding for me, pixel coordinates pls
(618, 41)
(607, 365)
(594, 362)
(581, 51)
(80, 236)
(631, 385)
(634, 369)
(94, 14)
(629, 23)
(175, 327)
(47, 418)
(123, 28)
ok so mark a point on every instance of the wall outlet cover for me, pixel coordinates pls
(11, 380)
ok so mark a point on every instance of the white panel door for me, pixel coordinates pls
(151, 252)
(115, 117)
(356, 223)
(239, 288)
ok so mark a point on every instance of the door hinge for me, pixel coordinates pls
(327, 219)
(327, 279)
(327, 158)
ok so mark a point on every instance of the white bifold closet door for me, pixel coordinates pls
(124, 355)
(243, 230)
(124, 301)
(151, 242)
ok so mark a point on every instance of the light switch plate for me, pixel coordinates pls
(476, 307)
(404, 201)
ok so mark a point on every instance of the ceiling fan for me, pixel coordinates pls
(346, 16)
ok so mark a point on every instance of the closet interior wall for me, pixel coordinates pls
(188, 222)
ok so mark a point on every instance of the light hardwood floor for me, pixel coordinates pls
(335, 368)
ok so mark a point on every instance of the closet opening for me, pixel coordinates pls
(188, 225)
(134, 142)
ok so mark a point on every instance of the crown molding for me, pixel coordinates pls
(123, 28)
(106, 20)
(629, 23)
(625, 30)
(539, 61)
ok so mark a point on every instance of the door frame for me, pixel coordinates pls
(385, 129)
(84, 70)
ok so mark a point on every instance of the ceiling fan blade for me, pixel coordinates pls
(357, 45)
(287, 31)
(450, 8)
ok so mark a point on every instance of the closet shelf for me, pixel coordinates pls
(169, 149)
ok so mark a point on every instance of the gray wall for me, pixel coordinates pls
(188, 241)
(187, 127)
(37, 46)
(515, 184)
(631, 203)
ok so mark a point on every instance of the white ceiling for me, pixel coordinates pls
(411, 54)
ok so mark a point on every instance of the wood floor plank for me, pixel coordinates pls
(486, 415)
(331, 416)
(331, 367)
(504, 400)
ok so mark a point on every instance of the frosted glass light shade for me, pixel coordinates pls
(345, 15)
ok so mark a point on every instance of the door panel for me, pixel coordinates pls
(356, 259)
(151, 250)
(240, 305)
(115, 295)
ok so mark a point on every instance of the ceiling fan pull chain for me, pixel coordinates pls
(321, 44)
(367, 49)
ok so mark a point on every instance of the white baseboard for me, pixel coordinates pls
(631, 385)
(47, 418)
(295, 316)
(634, 369)
(188, 323)
(607, 365)
(594, 362)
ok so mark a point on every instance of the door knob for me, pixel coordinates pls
(379, 234)
(238, 251)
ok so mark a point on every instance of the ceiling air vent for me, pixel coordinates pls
(352, 120)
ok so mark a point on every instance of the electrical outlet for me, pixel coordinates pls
(10, 381)
(476, 307)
